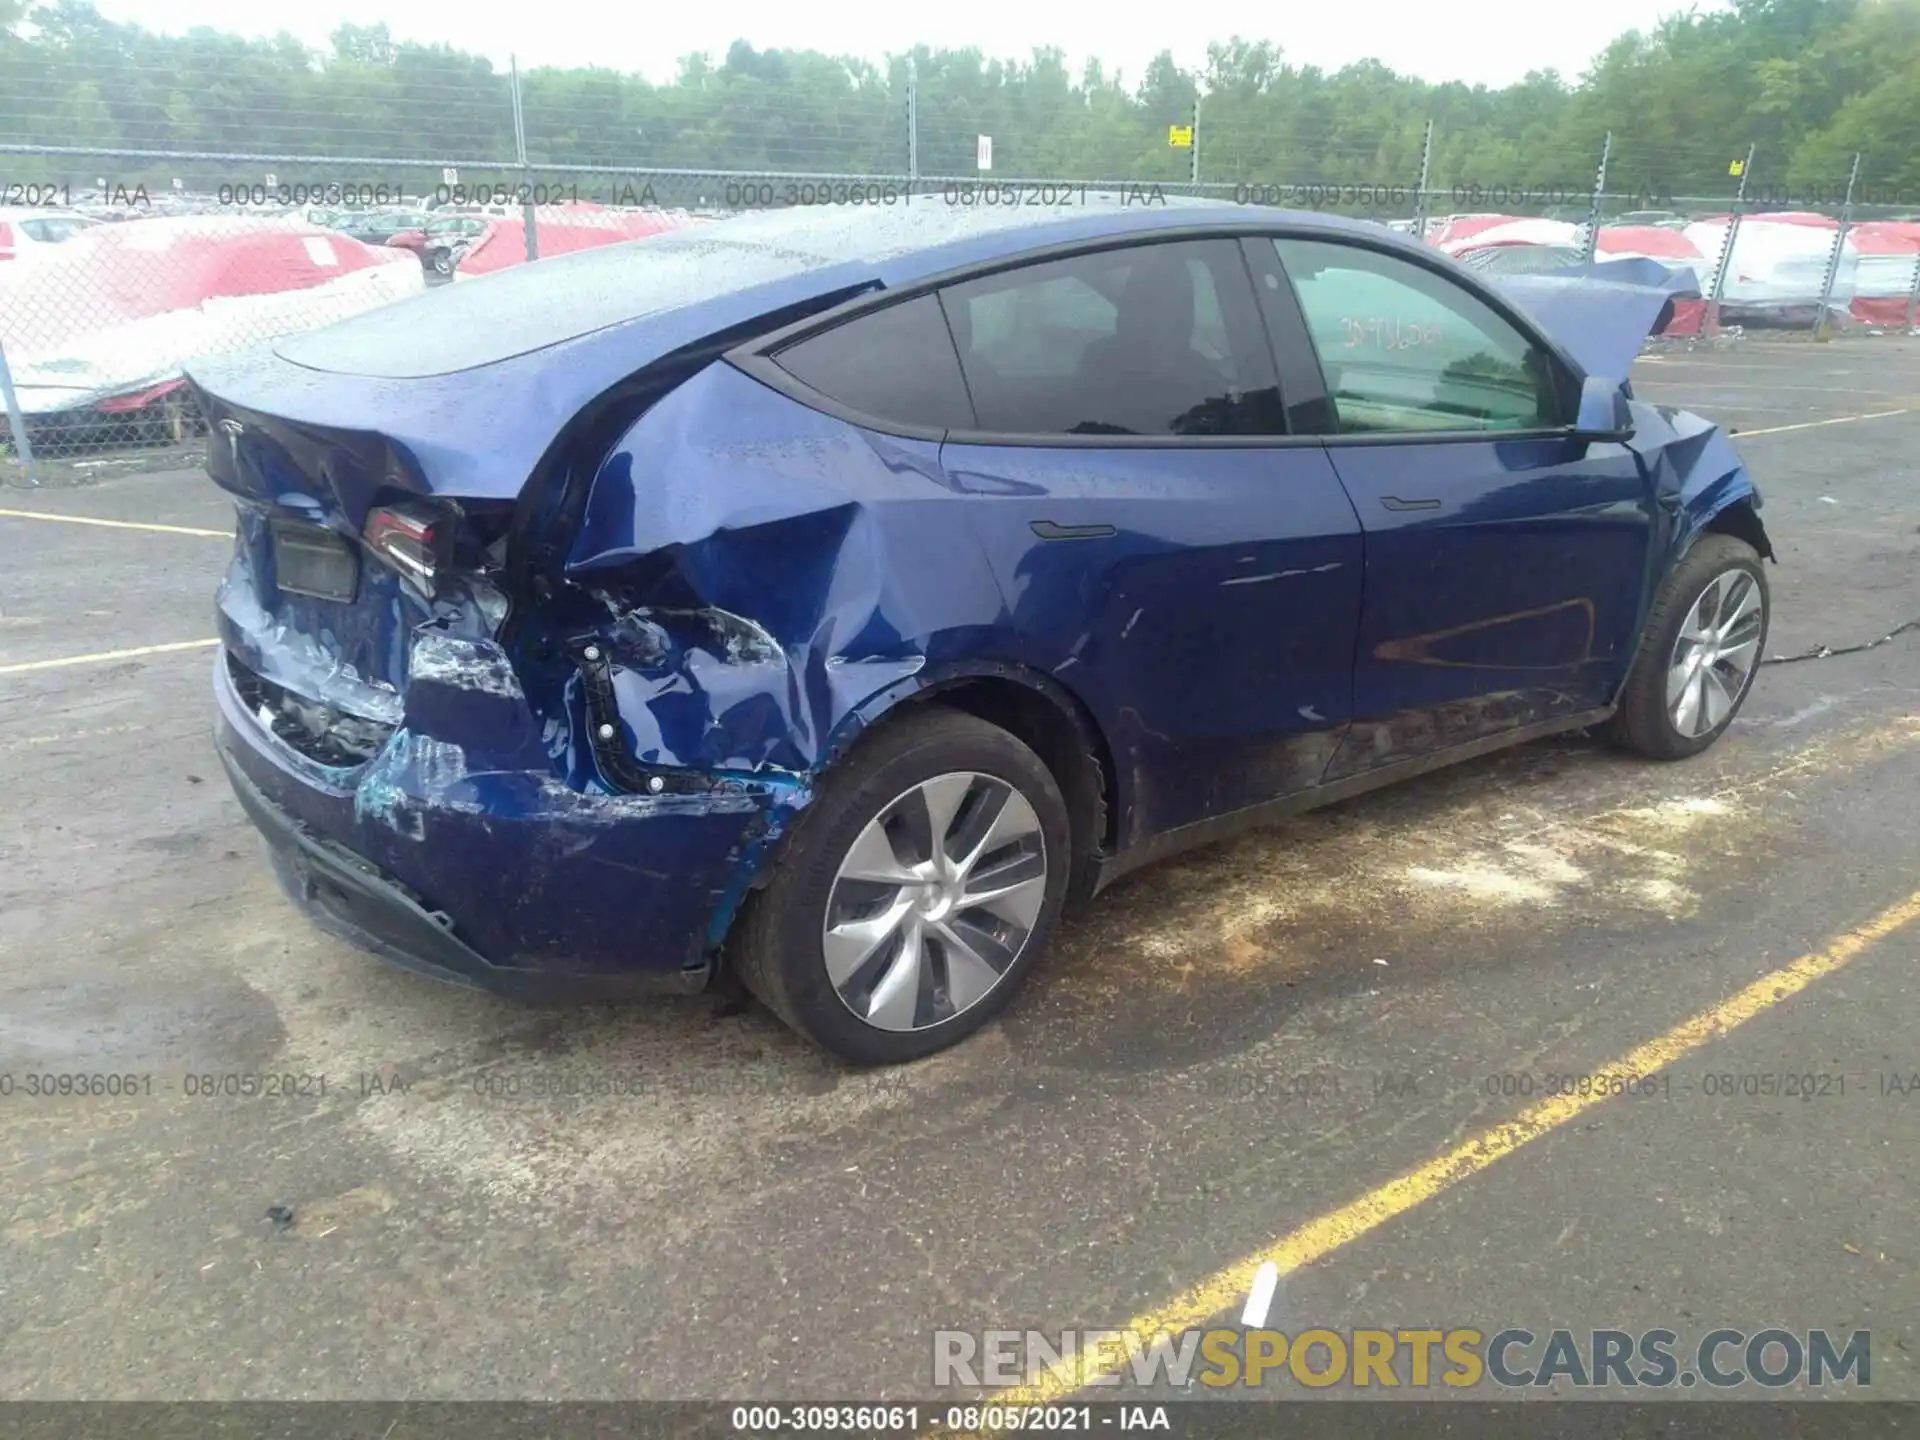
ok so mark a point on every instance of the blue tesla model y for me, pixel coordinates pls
(829, 598)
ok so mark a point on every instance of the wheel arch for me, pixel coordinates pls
(1043, 714)
(1737, 515)
(1740, 518)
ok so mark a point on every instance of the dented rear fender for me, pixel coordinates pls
(751, 574)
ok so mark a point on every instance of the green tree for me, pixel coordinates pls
(1808, 83)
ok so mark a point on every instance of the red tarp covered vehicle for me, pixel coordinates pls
(1889, 252)
(110, 321)
(559, 230)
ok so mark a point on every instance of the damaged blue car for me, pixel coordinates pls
(829, 598)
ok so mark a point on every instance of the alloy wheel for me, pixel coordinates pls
(935, 901)
(1715, 653)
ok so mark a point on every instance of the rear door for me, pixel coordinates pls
(1169, 553)
(1506, 561)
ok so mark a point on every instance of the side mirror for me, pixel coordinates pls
(1605, 413)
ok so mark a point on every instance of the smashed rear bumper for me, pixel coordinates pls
(499, 879)
(345, 896)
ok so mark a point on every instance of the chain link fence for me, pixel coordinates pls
(292, 199)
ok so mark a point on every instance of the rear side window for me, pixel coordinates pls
(894, 364)
(1147, 340)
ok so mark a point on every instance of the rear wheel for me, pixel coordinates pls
(918, 890)
(1704, 643)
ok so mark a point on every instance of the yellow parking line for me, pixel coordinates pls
(1816, 424)
(101, 656)
(116, 524)
(1226, 1289)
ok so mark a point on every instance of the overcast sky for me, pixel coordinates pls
(1478, 41)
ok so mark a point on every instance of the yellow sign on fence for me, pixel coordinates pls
(1180, 136)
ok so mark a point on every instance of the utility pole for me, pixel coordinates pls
(1591, 239)
(1822, 328)
(1726, 247)
(520, 154)
(913, 127)
(1194, 168)
(1426, 172)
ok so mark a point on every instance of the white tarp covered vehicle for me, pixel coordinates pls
(110, 322)
(1779, 264)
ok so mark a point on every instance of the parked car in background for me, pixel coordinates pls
(440, 243)
(98, 334)
(1443, 230)
(27, 235)
(379, 226)
(837, 602)
(558, 230)
(1660, 219)
(1518, 258)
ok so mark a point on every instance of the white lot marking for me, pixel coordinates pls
(1816, 424)
(1265, 1279)
(101, 657)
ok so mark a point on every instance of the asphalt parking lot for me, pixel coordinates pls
(1288, 1047)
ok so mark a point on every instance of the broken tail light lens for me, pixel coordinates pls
(413, 539)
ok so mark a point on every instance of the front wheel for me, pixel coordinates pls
(1704, 643)
(918, 890)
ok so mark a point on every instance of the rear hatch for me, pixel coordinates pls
(340, 555)
(424, 433)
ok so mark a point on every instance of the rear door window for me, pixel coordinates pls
(1149, 340)
(896, 364)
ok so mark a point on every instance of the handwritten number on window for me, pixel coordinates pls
(1387, 333)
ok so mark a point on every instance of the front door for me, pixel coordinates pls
(1506, 561)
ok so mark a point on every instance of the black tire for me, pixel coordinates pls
(1642, 723)
(777, 948)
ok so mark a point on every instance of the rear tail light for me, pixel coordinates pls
(413, 539)
(6, 241)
